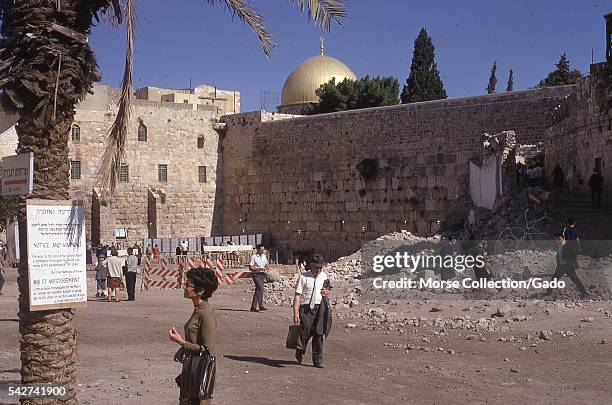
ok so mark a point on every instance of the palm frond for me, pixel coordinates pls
(115, 145)
(322, 12)
(251, 17)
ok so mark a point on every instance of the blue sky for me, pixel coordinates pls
(190, 39)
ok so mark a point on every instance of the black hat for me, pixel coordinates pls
(317, 260)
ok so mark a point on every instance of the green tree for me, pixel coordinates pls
(562, 75)
(354, 94)
(8, 210)
(47, 67)
(492, 79)
(423, 83)
(510, 85)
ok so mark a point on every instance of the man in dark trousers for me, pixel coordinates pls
(596, 187)
(258, 265)
(130, 274)
(567, 251)
(311, 309)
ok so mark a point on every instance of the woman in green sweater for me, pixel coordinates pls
(201, 328)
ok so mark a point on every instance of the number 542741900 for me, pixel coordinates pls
(37, 390)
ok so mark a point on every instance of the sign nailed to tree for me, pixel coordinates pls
(17, 174)
(56, 254)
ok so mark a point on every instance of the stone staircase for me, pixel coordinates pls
(592, 223)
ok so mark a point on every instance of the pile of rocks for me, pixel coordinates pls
(280, 292)
(520, 217)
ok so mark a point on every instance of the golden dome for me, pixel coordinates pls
(300, 86)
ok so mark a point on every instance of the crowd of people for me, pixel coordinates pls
(112, 269)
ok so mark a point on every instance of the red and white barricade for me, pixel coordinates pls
(157, 274)
(160, 273)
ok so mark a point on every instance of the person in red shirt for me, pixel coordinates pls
(156, 252)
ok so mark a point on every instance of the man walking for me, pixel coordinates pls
(570, 232)
(311, 309)
(258, 265)
(595, 185)
(567, 251)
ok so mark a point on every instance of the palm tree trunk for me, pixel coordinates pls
(48, 341)
(48, 67)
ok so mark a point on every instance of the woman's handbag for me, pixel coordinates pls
(294, 338)
(197, 380)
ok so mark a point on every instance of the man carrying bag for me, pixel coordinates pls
(311, 310)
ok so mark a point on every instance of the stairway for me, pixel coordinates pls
(592, 223)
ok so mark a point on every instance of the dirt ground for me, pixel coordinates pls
(125, 356)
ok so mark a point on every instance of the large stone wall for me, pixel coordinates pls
(297, 177)
(582, 131)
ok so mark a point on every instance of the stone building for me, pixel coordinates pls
(168, 183)
(204, 96)
(581, 133)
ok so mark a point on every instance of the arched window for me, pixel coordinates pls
(76, 133)
(142, 132)
(201, 142)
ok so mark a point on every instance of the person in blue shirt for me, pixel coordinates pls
(570, 232)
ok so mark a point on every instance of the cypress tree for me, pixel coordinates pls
(423, 83)
(492, 79)
(562, 75)
(510, 85)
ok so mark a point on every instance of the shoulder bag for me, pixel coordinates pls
(197, 380)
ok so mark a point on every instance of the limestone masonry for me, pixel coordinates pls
(298, 178)
(326, 182)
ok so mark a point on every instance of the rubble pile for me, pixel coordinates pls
(280, 292)
(520, 216)
(353, 286)
(522, 264)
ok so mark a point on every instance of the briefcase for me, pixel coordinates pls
(294, 338)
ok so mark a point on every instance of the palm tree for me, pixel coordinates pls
(46, 68)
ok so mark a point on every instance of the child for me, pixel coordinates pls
(101, 277)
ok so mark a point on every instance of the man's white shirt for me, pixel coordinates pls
(259, 260)
(307, 284)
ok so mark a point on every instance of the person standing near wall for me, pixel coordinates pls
(557, 178)
(156, 252)
(258, 265)
(114, 266)
(184, 248)
(596, 187)
(101, 274)
(130, 275)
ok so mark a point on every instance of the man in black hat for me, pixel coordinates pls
(311, 309)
